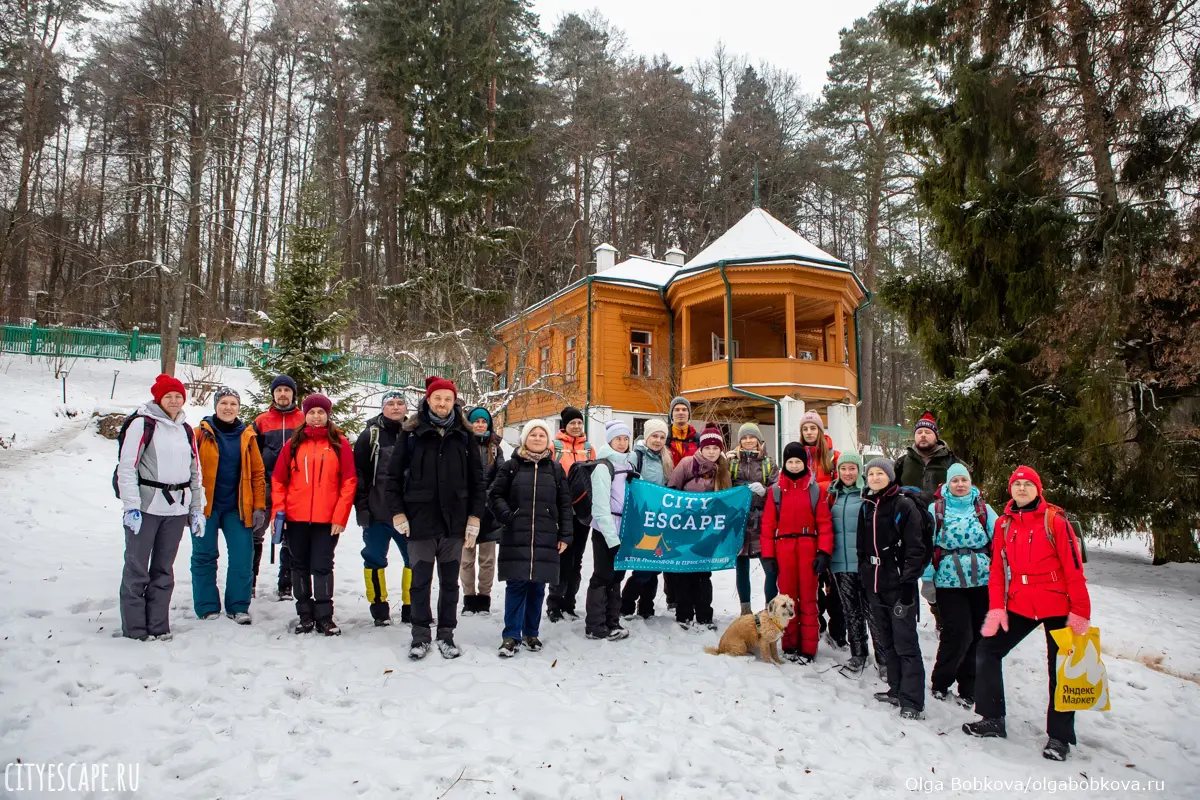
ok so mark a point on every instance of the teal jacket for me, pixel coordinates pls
(846, 503)
(963, 541)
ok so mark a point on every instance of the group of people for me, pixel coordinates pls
(853, 542)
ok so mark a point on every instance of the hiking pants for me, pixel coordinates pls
(239, 575)
(312, 545)
(148, 579)
(444, 551)
(377, 540)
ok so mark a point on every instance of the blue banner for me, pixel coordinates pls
(664, 530)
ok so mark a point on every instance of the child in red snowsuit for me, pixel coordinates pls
(797, 534)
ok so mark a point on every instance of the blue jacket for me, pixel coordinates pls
(652, 470)
(847, 500)
(965, 545)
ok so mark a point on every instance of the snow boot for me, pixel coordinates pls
(305, 625)
(485, 605)
(1055, 750)
(554, 615)
(986, 728)
(448, 648)
(939, 694)
(570, 612)
(908, 712)
(646, 611)
(595, 636)
(328, 627)
(406, 614)
(617, 634)
(381, 613)
(284, 593)
(887, 697)
(470, 606)
(241, 617)
(854, 667)
(508, 648)
(418, 650)
(747, 610)
(532, 643)
(166, 637)
(965, 700)
(210, 616)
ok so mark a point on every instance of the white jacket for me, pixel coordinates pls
(169, 459)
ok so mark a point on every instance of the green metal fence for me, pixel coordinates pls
(65, 342)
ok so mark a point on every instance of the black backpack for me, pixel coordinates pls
(579, 483)
(927, 522)
(148, 425)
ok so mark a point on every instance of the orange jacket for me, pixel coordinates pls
(252, 487)
(570, 449)
(318, 484)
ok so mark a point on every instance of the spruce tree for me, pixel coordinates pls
(308, 311)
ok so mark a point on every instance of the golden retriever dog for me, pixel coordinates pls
(759, 633)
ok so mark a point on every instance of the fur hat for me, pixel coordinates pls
(616, 428)
(712, 436)
(226, 391)
(530, 426)
(655, 425)
(1026, 474)
(885, 465)
(926, 421)
(317, 400)
(164, 384)
(433, 383)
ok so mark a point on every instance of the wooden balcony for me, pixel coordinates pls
(811, 381)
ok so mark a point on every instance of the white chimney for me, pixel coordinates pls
(606, 257)
(675, 256)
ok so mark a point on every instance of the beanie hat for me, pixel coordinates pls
(569, 415)
(225, 391)
(655, 425)
(480, 412)
(957, 469)
(166, 383)
(750, 429)
(680, 401)
(283, 380)
(1026, 474)
(529, 427)
(885, 465)
(927, 421)
(433, 383)
(394, 394)
(712, 435)
(614, 429)
(853, 457)
(317, 400)
(814, 418)
(795, 450)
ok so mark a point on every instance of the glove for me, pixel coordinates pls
(758, 489)
(1078, 625)
(472, 532)
(277, 536)
(994, 621)
(908, 596)
(196, 521)
(821, 562)
(770, 564)
(258, 521)
(363, 519)
(132, 520)
(400, 523)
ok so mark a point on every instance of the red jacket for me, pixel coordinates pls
(682, 447)
(824, 477)
(797, 515)
(1043, 580)
(318, 484)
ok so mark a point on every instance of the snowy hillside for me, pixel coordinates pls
(226, 711)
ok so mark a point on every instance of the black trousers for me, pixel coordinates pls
(638, 594)
(830, 602)
(901, 651)
(989, 685)
(858, 614)
(563, 594)
(669, 587)
(312, 546)
(446, 552)
(693, 597)
(962, 612)
(604, 589)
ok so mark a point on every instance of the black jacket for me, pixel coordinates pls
(533, 501)
(926, 476)
(491, 458)
(889, 531)
(372, 454)
(435, 477)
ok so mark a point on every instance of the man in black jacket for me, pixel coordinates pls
(891, 557)
(372, 453)
(436, 495)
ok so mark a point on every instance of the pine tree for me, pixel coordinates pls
(753, 142)
(307, 313)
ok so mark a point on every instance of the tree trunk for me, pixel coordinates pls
(1174, 539)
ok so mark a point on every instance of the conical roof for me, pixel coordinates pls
(760, 237)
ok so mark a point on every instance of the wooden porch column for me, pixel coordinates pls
(685, 360)
(853, 348)
(790, 325)
(839, 334)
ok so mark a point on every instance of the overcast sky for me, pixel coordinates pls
(798, 35)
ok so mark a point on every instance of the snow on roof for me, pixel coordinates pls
(759, 236)
(644, 270)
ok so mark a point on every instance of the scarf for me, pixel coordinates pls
(702, 467)
(535, 457)
(316, 433)
(226, 427)
(286, 409)
(441, 422)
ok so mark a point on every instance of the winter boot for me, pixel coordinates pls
(986, 728)
(887, 697)
(418, 650)
(646, 611)
(747, 610)
(854, 667)
(485, 604)
(284, 593)
(381, 613)
(617, 634)
(554, 614)
(211, 616)
(241, 618)
(937, 618)
(305, 625)
(1056, 750)
(508, 648)
(448, 648)
(965, 700)
(470, 606)
(939, 694)
(532, 643)
(328, 627)
(166, 637)
(406, 614)
(908, 712)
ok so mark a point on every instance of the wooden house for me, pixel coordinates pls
(759, 325)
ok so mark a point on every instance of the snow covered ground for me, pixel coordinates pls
(230, 712)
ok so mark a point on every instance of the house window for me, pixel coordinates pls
(640, 351)
(718, 348)
(571, 361)
(639, 428)
(544, 361)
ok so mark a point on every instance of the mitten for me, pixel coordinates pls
(258, 520)
(758, 489)
(400, 523)
(994, 621)
(132, 520)
(196, 520)
(1078, 625)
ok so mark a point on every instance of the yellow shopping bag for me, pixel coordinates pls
(1082, 679)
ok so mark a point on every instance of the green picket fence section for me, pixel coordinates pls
(889, 435)
(65, 342)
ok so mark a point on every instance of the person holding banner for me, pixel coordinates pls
(1036, 579)
(609, 481)
(750, 466)
(706, 471)
(652, 460)
(797, 535)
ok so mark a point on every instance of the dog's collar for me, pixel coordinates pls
(757, 625)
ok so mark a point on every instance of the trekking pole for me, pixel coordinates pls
(272, 550)
(113, 393)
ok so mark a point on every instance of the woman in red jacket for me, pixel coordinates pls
(312, 494)
(1036, 579)
(797, 534)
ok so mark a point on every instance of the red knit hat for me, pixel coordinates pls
(166, 383)
(1026, 474)
(712, 435)
(927, 421)
(317, 400)
(433, 383)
